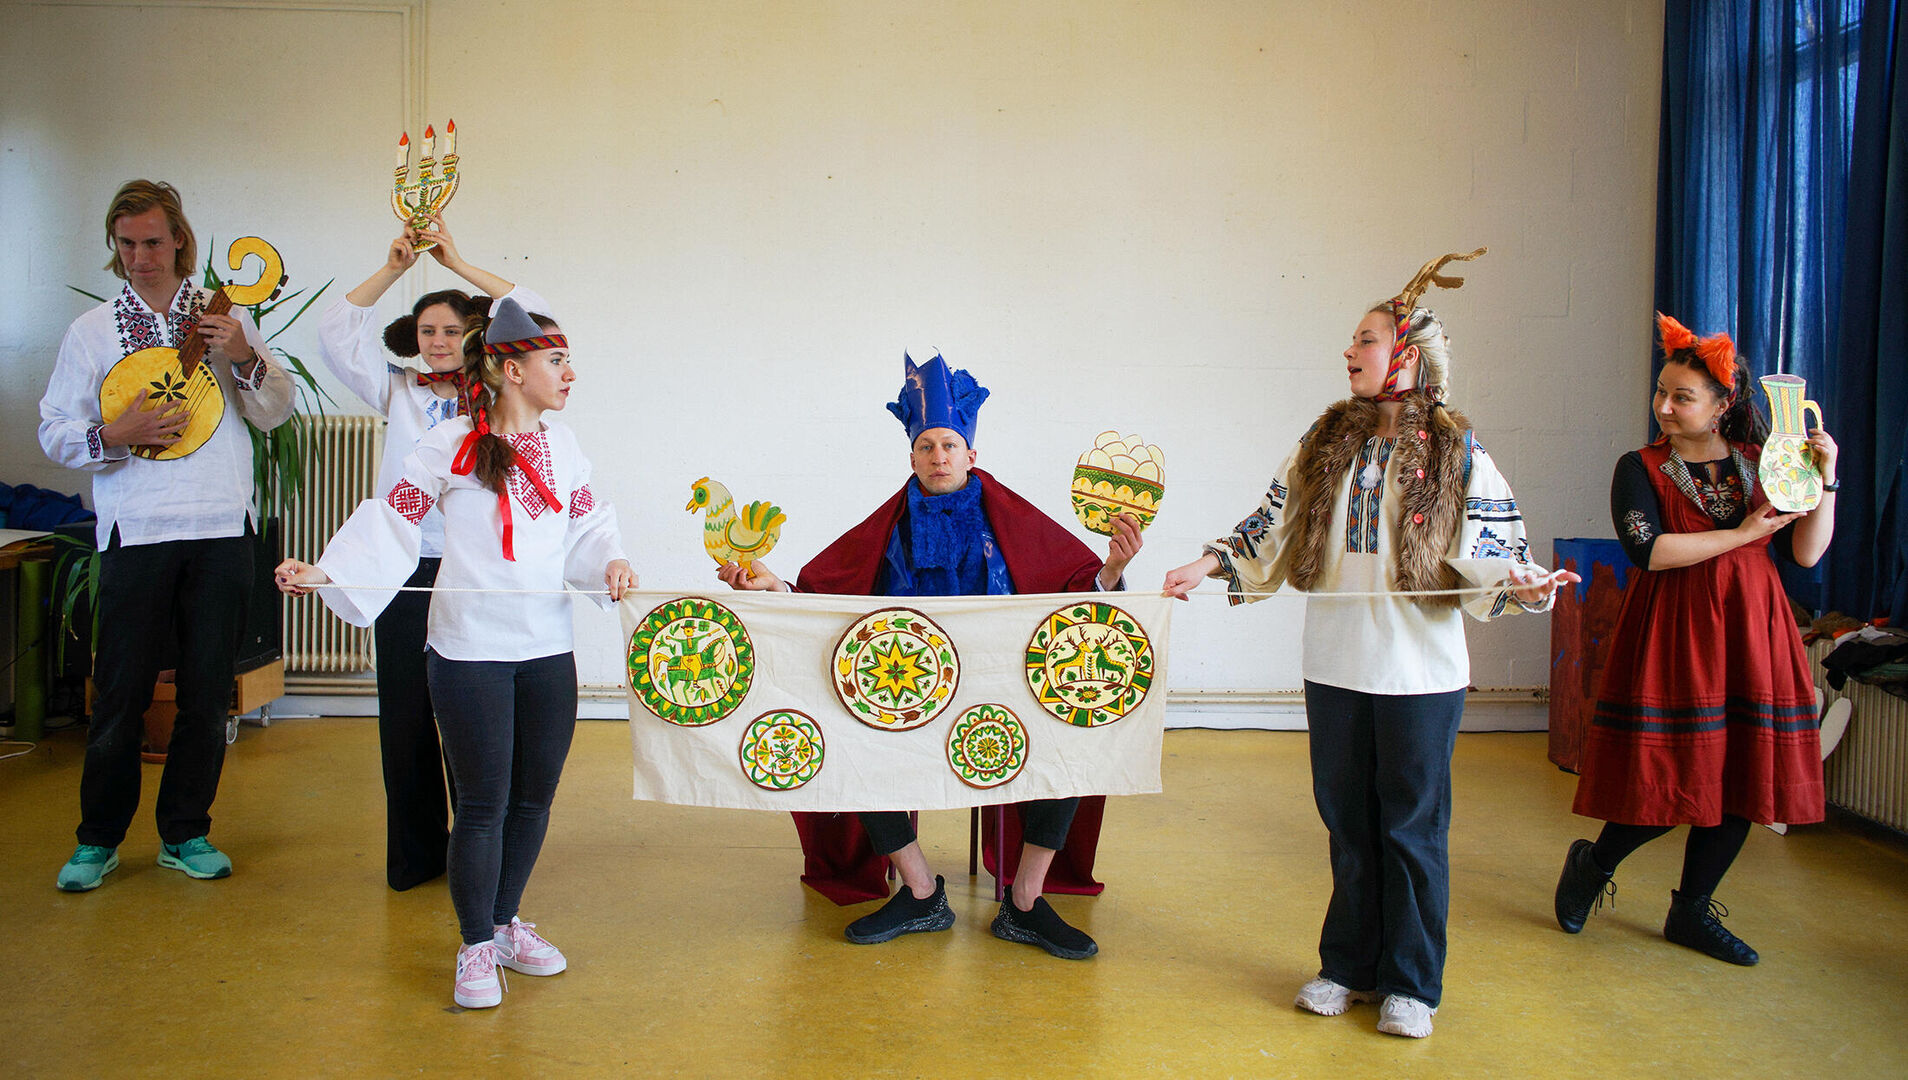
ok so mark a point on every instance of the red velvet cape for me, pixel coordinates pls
(1042, 557)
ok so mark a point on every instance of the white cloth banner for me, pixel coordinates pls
(750, 683)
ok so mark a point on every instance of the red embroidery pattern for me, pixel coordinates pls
(139, 330)
(581, 502)
(533, 452)
(409, 501)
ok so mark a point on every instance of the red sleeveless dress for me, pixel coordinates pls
(1707, 706)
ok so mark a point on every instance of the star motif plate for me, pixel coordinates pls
(987, 746)
(1089, 664)
(894, 669)
(781, 750)
(691, 662)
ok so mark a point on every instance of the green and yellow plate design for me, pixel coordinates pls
(895, 669)
(691, 662)
(1089, 664)
(781, 750)
(987, 746)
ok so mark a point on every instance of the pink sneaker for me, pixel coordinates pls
(479, 984)
(520, 948)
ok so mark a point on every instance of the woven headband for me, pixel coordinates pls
(527, 345)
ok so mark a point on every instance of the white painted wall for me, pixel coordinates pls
(1161, 217)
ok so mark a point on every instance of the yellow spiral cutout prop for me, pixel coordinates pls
(268, 280)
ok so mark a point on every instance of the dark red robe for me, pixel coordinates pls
(1042, 557)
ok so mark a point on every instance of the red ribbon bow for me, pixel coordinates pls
(466, 460)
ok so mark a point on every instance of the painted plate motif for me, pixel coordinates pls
(691, 662)
(894, 669)
(781, 750)
(987, 746)
(1089, 664)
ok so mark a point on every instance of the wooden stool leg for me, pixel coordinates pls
(973, 841)
(1000, 851)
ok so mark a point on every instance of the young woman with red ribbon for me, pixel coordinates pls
(417, 815)
(1706, 716)
(520, 521)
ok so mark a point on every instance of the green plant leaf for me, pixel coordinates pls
(301, 310)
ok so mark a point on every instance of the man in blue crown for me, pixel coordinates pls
(953, 530)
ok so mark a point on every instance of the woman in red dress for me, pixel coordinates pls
(1707, 714)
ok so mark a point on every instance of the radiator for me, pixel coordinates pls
(1867, 775)
(341, 470)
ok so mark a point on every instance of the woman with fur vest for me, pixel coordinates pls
(1388, 498)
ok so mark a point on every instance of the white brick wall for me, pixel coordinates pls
(1163, 218)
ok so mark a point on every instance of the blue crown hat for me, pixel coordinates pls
(933, 396)
(512, 332)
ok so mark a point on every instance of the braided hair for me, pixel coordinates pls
(1423, 329)
(483, 382)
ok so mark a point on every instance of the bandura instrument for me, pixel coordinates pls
(180, 377)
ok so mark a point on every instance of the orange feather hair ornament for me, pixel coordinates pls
(1717, 351)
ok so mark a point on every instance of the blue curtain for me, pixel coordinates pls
(1755, 233)
(1868, 397)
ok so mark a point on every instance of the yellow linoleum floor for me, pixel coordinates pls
(694, 952)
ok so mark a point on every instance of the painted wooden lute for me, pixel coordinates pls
(180, 377)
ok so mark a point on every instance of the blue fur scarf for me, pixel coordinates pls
(947, 530)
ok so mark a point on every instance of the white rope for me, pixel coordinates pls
(1475, 590)
(451, 588)
(1480, 590)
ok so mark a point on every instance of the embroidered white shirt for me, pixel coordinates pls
(1383, 645)
(377, 548)
(351, 344)
(203, 495)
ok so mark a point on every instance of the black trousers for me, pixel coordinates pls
(196, 589)
(507, 728)
(1381, 776)
(1043, 823)
(416, 810)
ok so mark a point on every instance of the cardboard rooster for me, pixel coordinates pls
(731, 535)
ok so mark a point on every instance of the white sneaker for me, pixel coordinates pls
(1407, 1016)
(520, 948)
(1327, 998)
(479, 984)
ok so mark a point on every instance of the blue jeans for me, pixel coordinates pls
(1381, 775)
(507, 727)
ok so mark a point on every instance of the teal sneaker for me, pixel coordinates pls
(197, 858)
(89, 863)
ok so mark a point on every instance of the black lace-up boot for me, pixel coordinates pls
(1696, 921)
(1582, 887)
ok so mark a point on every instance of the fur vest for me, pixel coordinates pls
(1429, 460)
